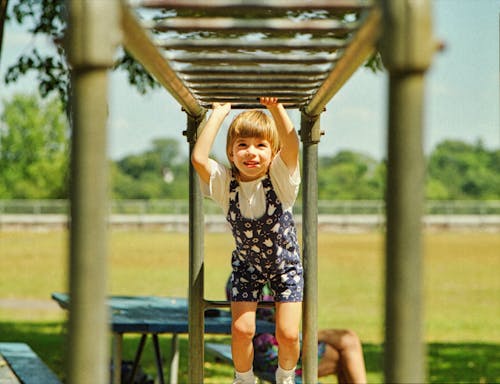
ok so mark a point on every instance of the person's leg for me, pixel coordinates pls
(288, 316)
(351, 365)
(329, 362)
(242, 331)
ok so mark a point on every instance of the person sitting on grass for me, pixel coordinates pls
(339, 350)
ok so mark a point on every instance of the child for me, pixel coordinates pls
(257, 195)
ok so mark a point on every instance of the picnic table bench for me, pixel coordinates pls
(20, 364)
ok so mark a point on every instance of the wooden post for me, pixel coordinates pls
(91, 42)
(196, 264)
(406, 49)
(310, 135)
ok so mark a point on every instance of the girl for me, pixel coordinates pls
(257, 194)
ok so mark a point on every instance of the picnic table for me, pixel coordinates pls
(154, 315)
(20, 364)
(7, 376)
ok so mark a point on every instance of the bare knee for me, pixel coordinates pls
(349, 340)
(287, 336)
(242, 331)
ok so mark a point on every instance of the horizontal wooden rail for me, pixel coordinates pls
(346, 5)
(231, 25)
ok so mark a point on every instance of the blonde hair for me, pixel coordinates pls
(253, 123)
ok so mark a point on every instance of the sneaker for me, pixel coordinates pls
(239, 380)
(285, 379)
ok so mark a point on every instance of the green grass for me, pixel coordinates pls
(447, 362)
(461, 291)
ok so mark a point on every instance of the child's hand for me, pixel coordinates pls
(223, 108)
(269, 102)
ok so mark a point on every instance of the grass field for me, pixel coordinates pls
(461, 291)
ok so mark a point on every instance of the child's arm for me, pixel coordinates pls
(288, 136)
(203, 145)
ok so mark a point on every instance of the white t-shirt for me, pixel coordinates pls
(252, 197)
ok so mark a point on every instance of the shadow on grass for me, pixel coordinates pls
(447, 362)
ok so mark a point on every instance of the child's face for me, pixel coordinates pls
(252, 156)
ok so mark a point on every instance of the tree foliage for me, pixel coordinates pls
(350, 176)
(457, 170)
(34, 161)
(33, 149)
(48, 18)
(160, 172)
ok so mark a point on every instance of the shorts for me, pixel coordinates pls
(247, 281)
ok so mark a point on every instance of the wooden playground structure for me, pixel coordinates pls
(236, 50)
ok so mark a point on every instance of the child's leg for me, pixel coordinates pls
(243, 331)
(288, 316)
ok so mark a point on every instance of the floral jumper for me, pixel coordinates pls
(267, 250)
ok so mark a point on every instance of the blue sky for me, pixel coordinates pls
(462, 92)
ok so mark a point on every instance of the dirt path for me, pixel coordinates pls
(29, 304)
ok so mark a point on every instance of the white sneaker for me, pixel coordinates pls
(239, 380)
(285, 379)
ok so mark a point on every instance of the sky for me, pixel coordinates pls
(461, 97)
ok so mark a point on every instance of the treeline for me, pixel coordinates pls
(34, 164)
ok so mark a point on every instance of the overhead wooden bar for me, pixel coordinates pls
(206, 44)
(228, 24)
(251, 98)
(251, 78)
(256, 105)
(248, 58)
(255, 93)
(291, 69)
(232, 86)
(345, 5)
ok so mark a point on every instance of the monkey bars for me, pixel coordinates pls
(301, 51)
(235, 51)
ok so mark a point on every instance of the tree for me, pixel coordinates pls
(45, 17)
(48, 18)
(160, 172)
(465, 171)
(350, 176)
(33, 149)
